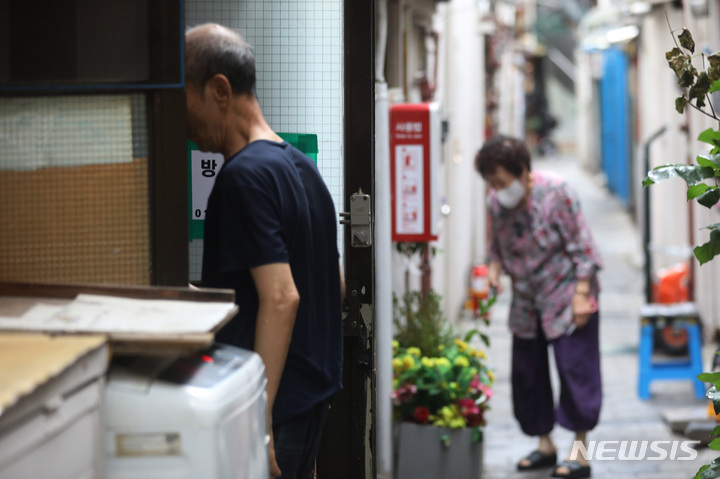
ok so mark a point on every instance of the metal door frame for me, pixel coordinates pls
(348, 447)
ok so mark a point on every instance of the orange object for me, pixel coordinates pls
(671, 285)
(478, 281)
(711, 412)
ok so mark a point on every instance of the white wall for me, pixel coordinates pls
(299, 60)
(460, 91)
(672, 223)
(587, 129)
(658, 89)
(463, 228)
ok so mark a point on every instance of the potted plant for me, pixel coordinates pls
(441, 390)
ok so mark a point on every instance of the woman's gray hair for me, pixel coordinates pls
(220, 51)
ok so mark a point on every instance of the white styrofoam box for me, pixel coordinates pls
(199, 416)
(55, 432)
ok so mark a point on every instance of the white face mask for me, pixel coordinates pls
(511, 196)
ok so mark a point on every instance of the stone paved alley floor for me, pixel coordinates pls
(624, 415)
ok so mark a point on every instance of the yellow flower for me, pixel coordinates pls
(395, 344)
(449, 416)
(453, 386)
(428, 362)
(480, 354)
(446, 412)
(462, 345)
(457, 423)
(408, 362)
(473, 371)
(491, 375)
(413, 351)
(461, 361)
(442, 362)
(471, 352)
(397, 364)
(441, 348)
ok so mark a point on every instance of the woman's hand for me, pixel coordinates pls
(582, 307)
(493, 277)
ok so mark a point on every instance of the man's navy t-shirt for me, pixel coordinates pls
(270, 205)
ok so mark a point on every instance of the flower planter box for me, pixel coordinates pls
(421, 453)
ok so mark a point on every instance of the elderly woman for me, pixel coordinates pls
(540, 239)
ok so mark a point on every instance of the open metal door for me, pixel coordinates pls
(615, 123)
(348, 447)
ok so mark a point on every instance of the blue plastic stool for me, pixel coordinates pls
(681, 368)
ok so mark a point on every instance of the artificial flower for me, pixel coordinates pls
(462, 345)
(450, 389)
(408, 362)
(421, 414)
(462, 362)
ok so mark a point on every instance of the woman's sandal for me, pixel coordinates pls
(576, 470)
(537, 460)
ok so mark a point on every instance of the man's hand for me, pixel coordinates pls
(274, 468)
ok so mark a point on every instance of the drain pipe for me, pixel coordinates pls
(646, 229)
(383, 254)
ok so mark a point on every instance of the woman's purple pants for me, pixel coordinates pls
(578, 364)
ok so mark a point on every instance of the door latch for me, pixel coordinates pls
(360, 220)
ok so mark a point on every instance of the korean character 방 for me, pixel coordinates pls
(208, 168)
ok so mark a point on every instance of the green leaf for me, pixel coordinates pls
(700, 471)
(692, 174)
(710, 197)
(712, 471)
(714, 59)
(687, 77)
(714, 444)
(470, 334)
(476, 435)
(680, 103)
(678, 61)
(715, 431)
(485, 339)
(709, 377)
(696, 190)
(647, 181)
(701, 87)
(710, 161)
(709, 250)
(714, 226)
(714, 74)
(709, 136)
(686, 40)
(673, 53)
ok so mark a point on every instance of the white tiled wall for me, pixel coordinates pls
(298, 51)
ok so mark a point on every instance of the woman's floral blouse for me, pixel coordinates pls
(545, 246)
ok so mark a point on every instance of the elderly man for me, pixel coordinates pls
(271, 235)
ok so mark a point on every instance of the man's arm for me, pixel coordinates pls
(278, 302)
(342, 282)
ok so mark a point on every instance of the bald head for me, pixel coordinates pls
(212, 49)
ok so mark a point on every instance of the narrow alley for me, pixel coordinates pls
(624, 416)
